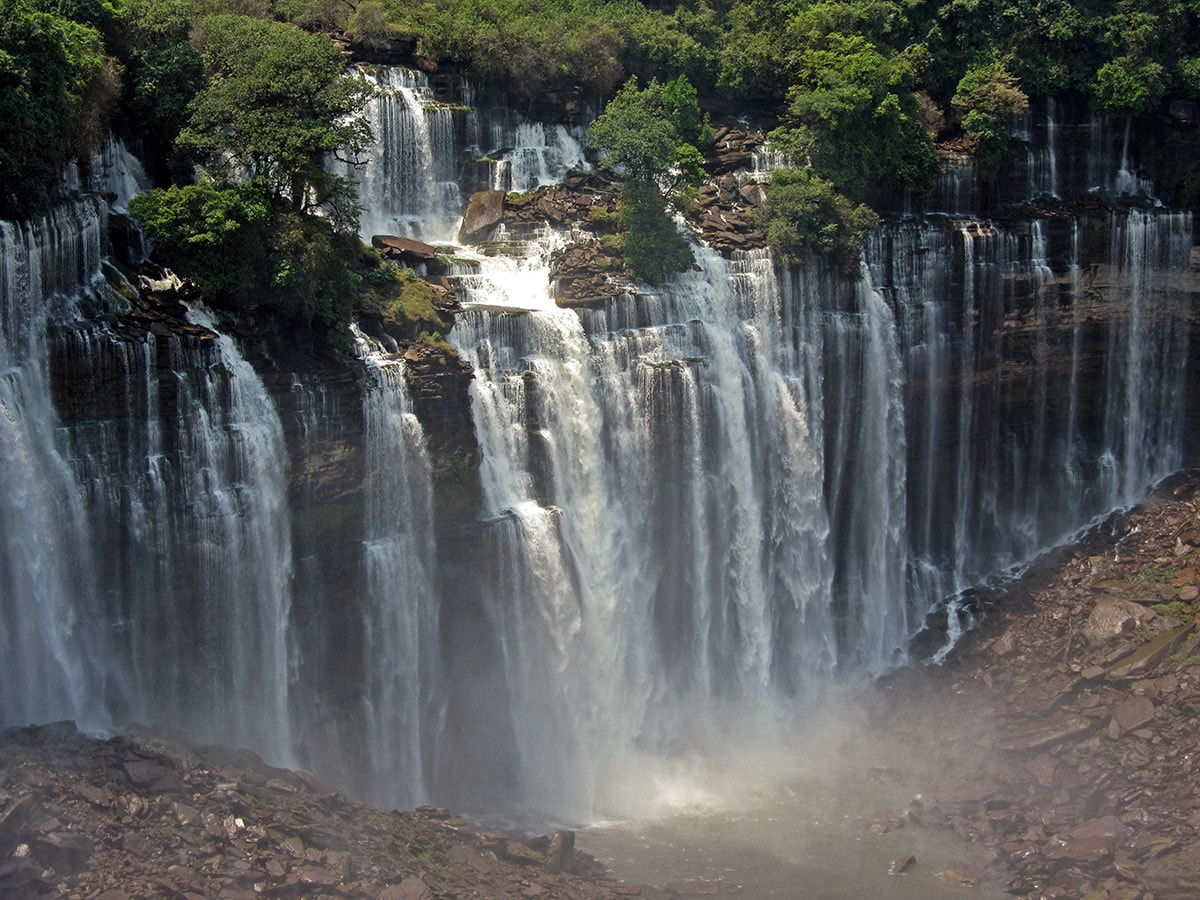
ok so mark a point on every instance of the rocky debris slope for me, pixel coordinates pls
(148, 816)
(1063, 735)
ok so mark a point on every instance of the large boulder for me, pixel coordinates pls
(1112, 617)
(484, 212)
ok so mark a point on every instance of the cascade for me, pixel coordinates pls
(49, 655)
(655, 476)
(423, 148)
(702, 504)
(184, 479)
(399, 609)
(126, 587)
(536, 154)
(411, 172)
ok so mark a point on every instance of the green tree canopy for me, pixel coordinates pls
(988, 97)
(650, 136)
(56, 83)
(805, 214)
(854, 115)
(277, 103)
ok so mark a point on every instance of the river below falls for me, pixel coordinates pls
(794, 825)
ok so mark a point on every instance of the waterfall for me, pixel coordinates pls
(185, 487)
(660, 522)
(409, 185)
(400, 606)
(700, 504)
(534, 154)
(51, 650)
(126, 588)
(1018, 404)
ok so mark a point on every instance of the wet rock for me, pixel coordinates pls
(1044, 732)
(901, 864)
(153, 776)
(700, 888)
(66, 853)
(410, 888)
(1088, 843)
(1150, 654)
(964, 873)
(484, 212)
(560, 857)
(405, 250)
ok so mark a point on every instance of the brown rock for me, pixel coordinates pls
(405, 249)
(901, 864)
(561, 855)
(1130, 714)
(485, 210)
(1089, 842)
(1150, 654)
(1005, 645)
(65, 852)
(700, 888)
(1112, 617)
(1044, 732)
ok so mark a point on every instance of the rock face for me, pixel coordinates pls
(1080, 777)
(484, 212)
(148, 816)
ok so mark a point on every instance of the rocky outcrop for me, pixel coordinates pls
(725, 203)
(146, 815)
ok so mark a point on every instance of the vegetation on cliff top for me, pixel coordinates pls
(651, 137)
(863, 88)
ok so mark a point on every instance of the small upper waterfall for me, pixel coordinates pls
(410, 180)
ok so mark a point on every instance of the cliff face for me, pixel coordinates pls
(514, 575)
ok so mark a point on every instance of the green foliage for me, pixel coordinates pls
(988, 97)
(855, 116)
(1124, 86)
(398, 296)
(650, 136)
(245, 252)
(805, 214)
(56, 86)
(369, 24)
(1176, 609)
(277, 102)
(213, 236)
(652, 245)
(163, 70)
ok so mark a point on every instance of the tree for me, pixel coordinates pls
(854, 116)
(56, 85)
(988, 97)
(277, 103)
(650, 137)
(805, 214)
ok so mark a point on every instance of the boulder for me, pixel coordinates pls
(1112, 617)
(484, 212)
(1130, 714)
(1150, 654)
(403, 249)
(561, 855)
(1086, 843)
